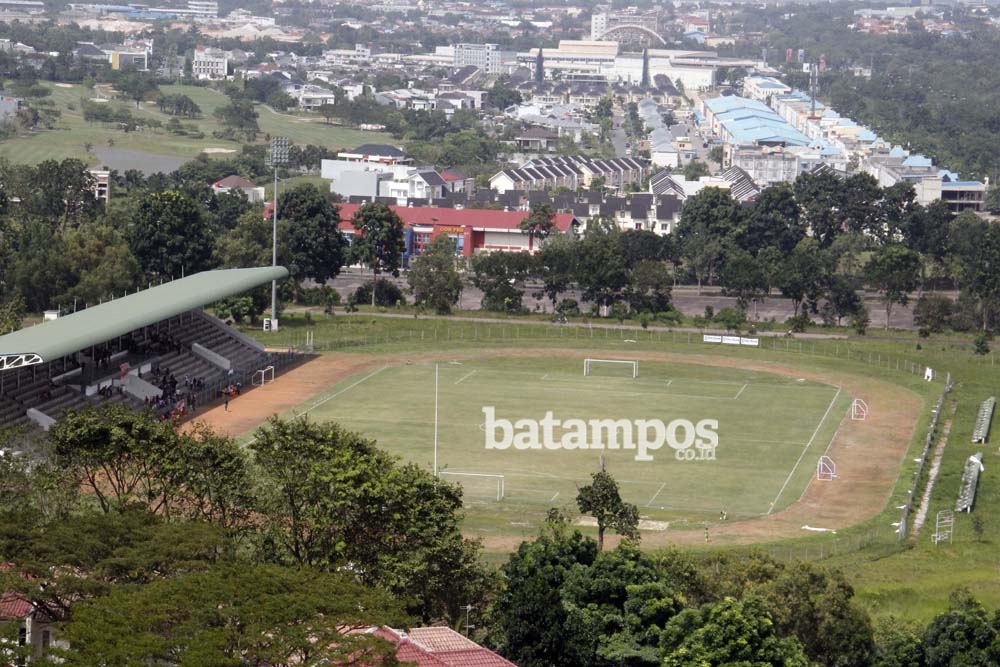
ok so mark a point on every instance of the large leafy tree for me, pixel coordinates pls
(602, 500)
(316, 249)
(135, 85)
(730, 633)
(709, 220)
(235, 614)
(556, 266)
(501, 276)
(600, 268)
(170, 236)
(331, 499)
(528, 620)
(772, 221)
(817, 608)
(894, 270)
(379, 241)
(963, 635)
(539, 224)
(433, 277)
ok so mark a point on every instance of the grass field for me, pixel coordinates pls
(760, 462)
(71, 133)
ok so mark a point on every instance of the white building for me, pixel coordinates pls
(487, 57)
(209, 64)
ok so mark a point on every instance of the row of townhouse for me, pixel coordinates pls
(837, 141)
(572, 172)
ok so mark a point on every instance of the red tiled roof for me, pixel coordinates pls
(439, 638)
(448, 176)
(453, 217)
(234, 181)
(439, 647)
(14, 607)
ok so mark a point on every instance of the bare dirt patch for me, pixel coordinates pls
(868, 453)
(211, 150)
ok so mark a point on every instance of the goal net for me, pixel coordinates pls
(479, 486)
(826, 469)
(614, 367)
(859, 410)
(262, 376)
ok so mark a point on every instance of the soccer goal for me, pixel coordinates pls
(826, 469)
(590, 364)
(262, 376)
(473, 483)
(859, 410)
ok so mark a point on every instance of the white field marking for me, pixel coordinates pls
(545, 376)
(669, 382)
(740, 391)
(333, 396)
(465, 377)
(656, 494)
(804, 450)
(554, 497)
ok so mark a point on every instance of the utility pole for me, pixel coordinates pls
(277, 156)
(468, 626)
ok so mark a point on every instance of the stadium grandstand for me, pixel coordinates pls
(155, 348)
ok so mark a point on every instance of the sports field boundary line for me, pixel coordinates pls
(329, 398)
(465, 377)
(805, 449)
(742, 389)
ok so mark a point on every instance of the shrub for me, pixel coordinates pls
(386, 293)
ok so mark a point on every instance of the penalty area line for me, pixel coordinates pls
(804, 450)
(465, 377)
(656, 494)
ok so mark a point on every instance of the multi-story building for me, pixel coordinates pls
(487, 57)
(209, 64)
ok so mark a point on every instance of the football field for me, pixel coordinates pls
(771, 431)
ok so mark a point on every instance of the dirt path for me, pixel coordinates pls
(925, 500)
(867, 453)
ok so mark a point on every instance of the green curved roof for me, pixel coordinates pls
(97, 324)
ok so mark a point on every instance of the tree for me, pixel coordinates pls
(501, 276)
(100, 264)
(601, 500)
(539, 66)
(502, 96)
(316, 249)
(234, 614)
(135, 85)
(328, 111)
(379, 241)
(894, 270)
(433, 278)
(695, 169)
(600, 268)
(239, 119)
(963, 635)
(802, 275)
(772, 221)
(708, 221)
(169, 235)
(730, 633)
(331, 499)
(817, 608)
(897, 644)
(556, 264)
(743, 276)
(533, 577)
(539, 224)
(12, 312)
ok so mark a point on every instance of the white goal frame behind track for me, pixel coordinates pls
(262, 376)
(501, 488)
(633, 362)
(859, 410)
(826, 469)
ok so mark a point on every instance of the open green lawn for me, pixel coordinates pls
(71, 133)
(911, 580)
(771, 430)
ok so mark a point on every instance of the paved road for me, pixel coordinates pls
(685, 298)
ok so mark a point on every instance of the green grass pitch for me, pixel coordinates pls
(772, 430)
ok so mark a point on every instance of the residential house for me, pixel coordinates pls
(439, 647)
(237, 183)
(536, 140)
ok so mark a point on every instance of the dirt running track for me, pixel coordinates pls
(868, 453)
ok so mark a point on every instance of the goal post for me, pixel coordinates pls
(501, 490)
(859, 410)
(826, 469)
(589, 363)
(262, 376)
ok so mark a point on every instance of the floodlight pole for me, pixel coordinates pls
(278, 156)
(435, 420)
